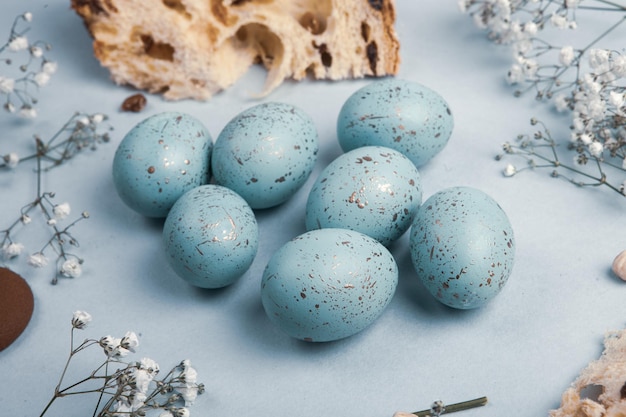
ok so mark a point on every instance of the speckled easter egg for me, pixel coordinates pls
(211, 236)
(462, 247)
(399, 114)
(160, 159)
(373, 190)
(266, 153)
(328, 284)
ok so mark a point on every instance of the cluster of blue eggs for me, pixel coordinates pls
(338, 277)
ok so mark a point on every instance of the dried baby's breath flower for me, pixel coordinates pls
(588, 81)
(26, 68)
(134, 388)
(81, 131)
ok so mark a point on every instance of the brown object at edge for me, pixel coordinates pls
(134, 103)
(16, 306)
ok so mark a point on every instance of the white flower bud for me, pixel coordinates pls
(12, 250)
(41, 78)
(80, 319)
(7, 85)
(11, 160)
(28, 16)
(71, 268)
(49, 67)
(18, 43)
(38, 260)
(36, 51)
(62, 210)
(509, 170)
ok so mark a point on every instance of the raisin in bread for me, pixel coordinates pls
(195, 48)
(600, 389)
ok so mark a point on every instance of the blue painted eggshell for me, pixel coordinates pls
(399, 114)
(266, 153)
(211, 236)
(160, 159)
(373, 190)
(462, 247)
(328, 284)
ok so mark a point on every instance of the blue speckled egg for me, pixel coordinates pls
(373, 190)
(328, 284)
(266, 153)
(160, 159)
(398, 114)
(462, 247)
(211, 236)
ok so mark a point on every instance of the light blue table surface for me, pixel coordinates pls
(522, 350)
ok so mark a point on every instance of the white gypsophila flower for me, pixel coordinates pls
(462, 5)
(618, 66)
(10, 107)
(41, 78)
(61, 211)
(49, 67)
(166, 414)
(596, 109)
(531, 28)
(509, 170)
(599, 58)
(142, 379)
(97, 118)
(530, 67)
(11, 160)
(112, 346)
(71, 268)
(38, 260)
(28, 16)
(182, 412)
(586, 138)
(36, 51)
(566, 55)
(578, 124)
(84, 120)
(51, 222)
(7, 85)
(189, 375)
(558, 21)
(28, 112)
(18, 43)
(561, 102)
(25, 219)
(149, 365)
(595, 149)
(571, 4)
(189, 392)
(129, 341)
(515, 74)
(616, 99)
(80, 319)
(12, 250)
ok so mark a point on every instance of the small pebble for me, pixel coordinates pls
(619, 265)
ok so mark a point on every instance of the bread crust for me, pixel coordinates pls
(606, 376)
(195, 48)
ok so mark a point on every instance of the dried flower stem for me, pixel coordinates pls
(83, 133)
(132, 389)
(592, 89)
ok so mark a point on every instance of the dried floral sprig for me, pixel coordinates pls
(81, 131)
(540, 150)
(589, 82)
(133, 388)
(32, 72)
